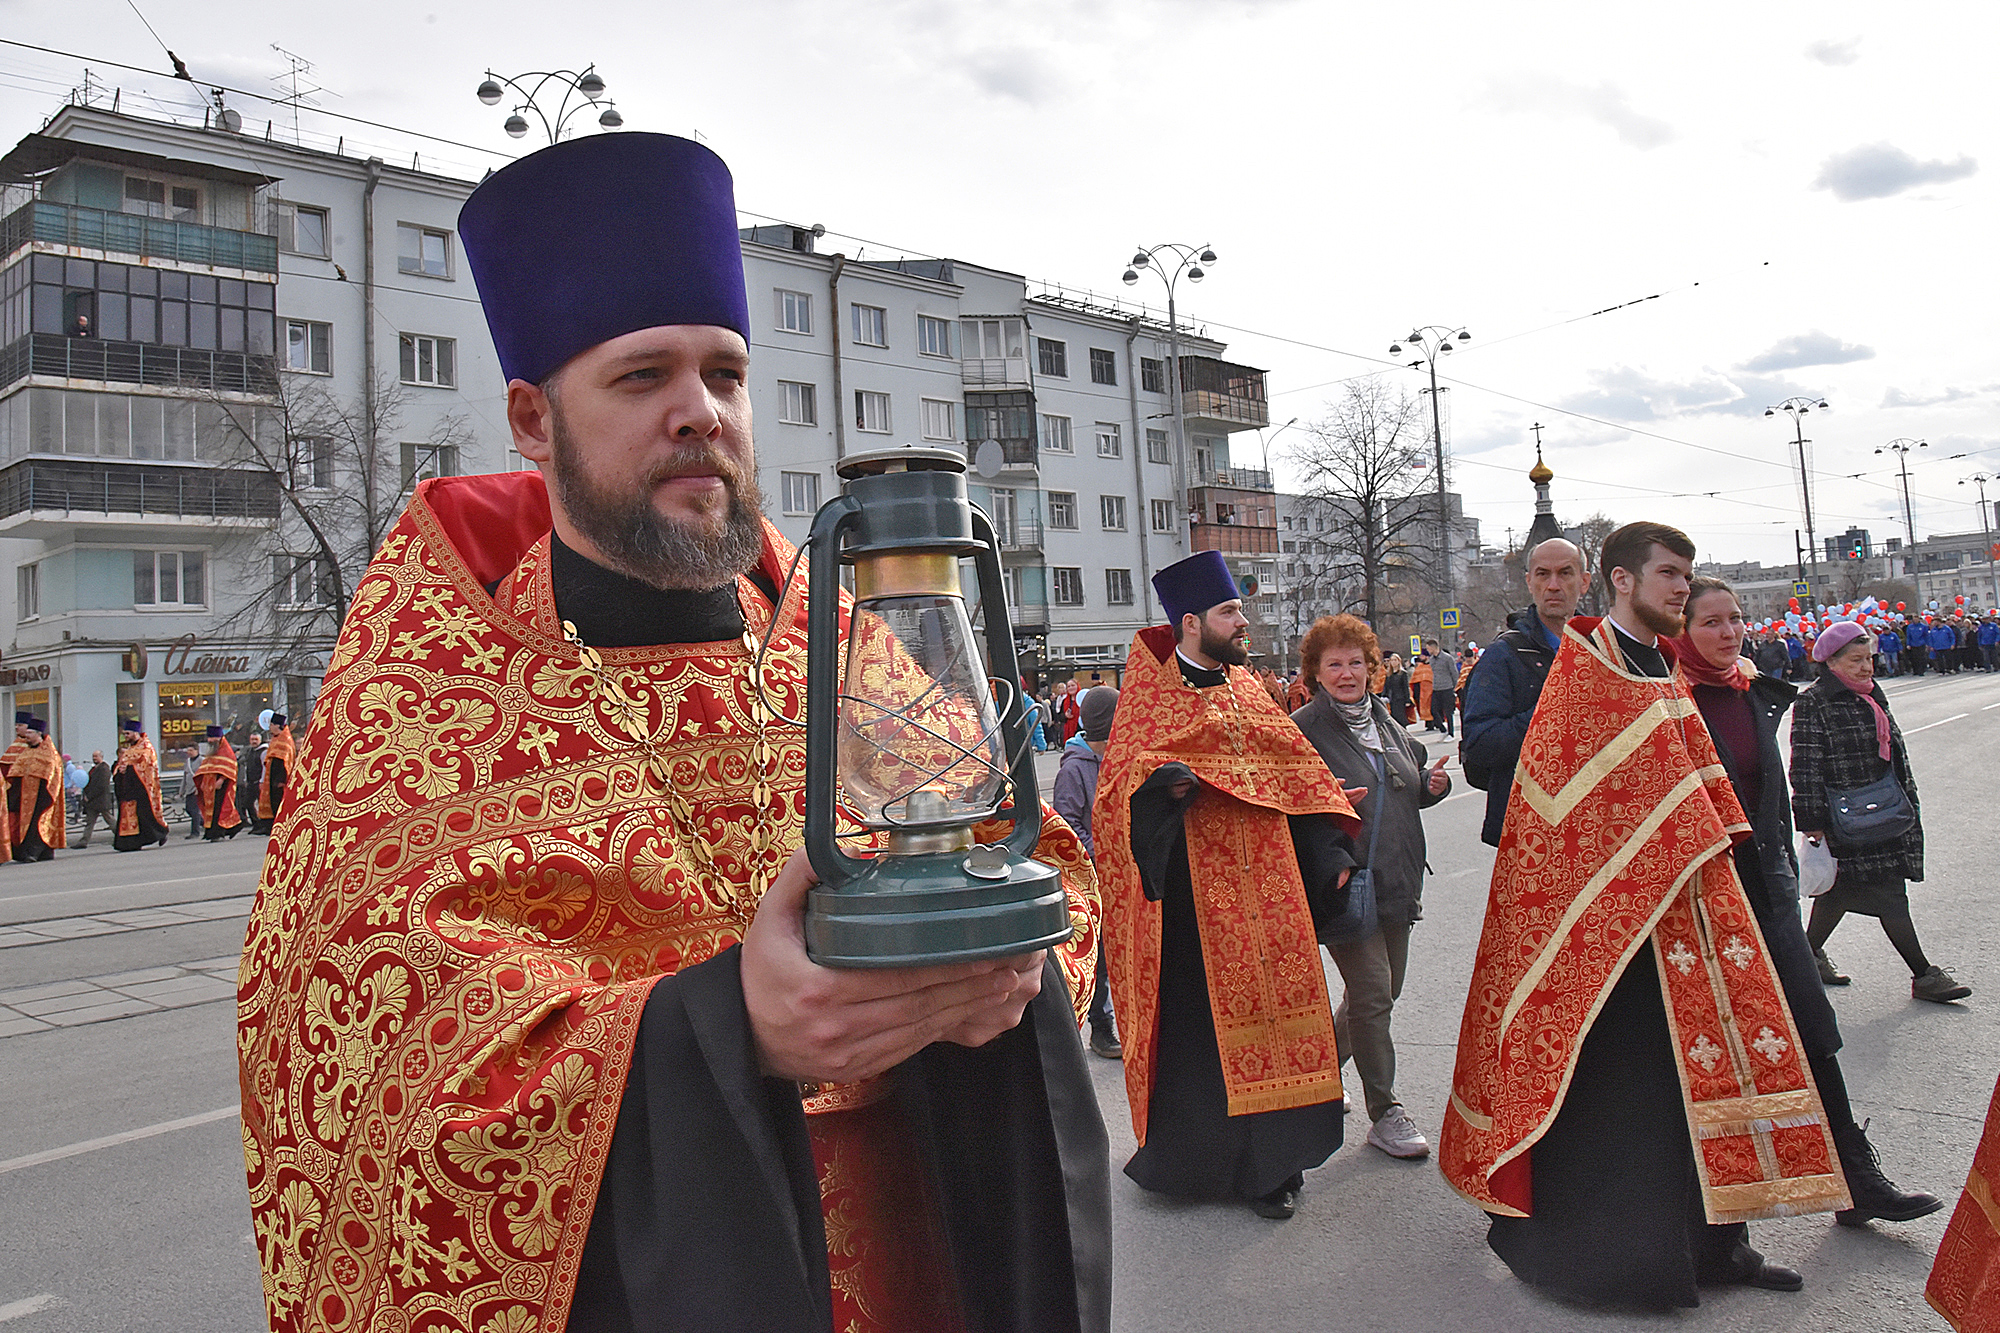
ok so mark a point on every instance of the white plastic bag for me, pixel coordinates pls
(1816, 867)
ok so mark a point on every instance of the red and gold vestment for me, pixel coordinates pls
(1267, 988)
(1964, 1285)
(143, 762)
(217, 773)
(1618, 836)
(38, 768)
(281, 749)
(495, 841)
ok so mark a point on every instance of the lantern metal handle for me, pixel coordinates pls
(822, 683)
(1002, 661)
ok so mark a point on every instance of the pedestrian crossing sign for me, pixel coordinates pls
(1800, 588)
(1416, 644)
(1448, 618)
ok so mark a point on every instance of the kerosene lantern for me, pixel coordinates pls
(909, 740)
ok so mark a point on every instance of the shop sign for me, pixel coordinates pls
(22, 675)
(181, 660)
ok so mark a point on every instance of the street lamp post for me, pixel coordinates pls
(586, 84)
(1429, 342)
(1169, 262)
(1980, 479)
(1796, 408)
(1901, 447)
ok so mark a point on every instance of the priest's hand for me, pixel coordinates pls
(840, 1025)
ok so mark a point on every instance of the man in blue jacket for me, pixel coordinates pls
(1500, 697)
(1890, 645)
(1989, 642)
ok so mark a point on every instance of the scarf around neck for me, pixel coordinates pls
(1881, 716)
(1360, 720)
(1736, 676)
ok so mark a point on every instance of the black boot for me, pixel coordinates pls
(1874, 1194)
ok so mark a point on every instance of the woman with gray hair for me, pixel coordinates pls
(1844, 739)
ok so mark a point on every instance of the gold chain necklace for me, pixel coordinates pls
(627, 712)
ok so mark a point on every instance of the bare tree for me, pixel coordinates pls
(1360, 465)
(1589, 536)
(342, 480)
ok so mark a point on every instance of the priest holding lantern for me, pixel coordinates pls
(537, 1027)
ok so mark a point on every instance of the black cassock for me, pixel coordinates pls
(709, 1215)
(126, 785)
(32, 846)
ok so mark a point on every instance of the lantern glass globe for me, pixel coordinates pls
(590, 85)
(1195, 274)
(1207, 256)
(489, 92)
(516, 127)
(611, 120)
(1131, 276)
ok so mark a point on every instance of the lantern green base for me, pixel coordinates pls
(915, 910)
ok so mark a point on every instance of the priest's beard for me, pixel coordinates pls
(1227, 650)
(1661, 620)
(632, 535)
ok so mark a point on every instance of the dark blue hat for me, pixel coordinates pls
(36, 724)
(277, 719)
(602, 236)
(131, 725)
(1189, 587)
(22, 717)
(214, 733)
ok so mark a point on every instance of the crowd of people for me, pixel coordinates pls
(224, 792)
(1942, 641)
(530, 1036)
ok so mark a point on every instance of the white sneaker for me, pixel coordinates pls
(1396, 1134)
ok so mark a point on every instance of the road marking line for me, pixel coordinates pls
(111, 1141)
(1984, 707)
(1940, 722)
(32, 1305)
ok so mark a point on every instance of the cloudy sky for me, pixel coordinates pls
(1779, 199)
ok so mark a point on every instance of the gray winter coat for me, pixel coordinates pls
(1399, 846)
(1833, 745)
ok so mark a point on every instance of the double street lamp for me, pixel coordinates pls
(1796, 408)
(1169, 263)
(1902, 448)
(1980, 479)
(1426, 345)
(585, 84)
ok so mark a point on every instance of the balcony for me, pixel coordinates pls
(1235, 478)
(1221, 395)
(48, 500)
(1016, 456)
(994, 372)
(74, 226)
(1234, 539)
(1019, 536)
(57, 357)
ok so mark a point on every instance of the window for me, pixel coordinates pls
(1156, 446)
(1108, 442)
(933, 336)
(1152, 375)
(157, 199)
(938, 416)
(424, 251)
(1062, 509)
(429, 360)
(801, 404)
(1055, 435)
(301, 230)
(1118, 587)
(871, 411)
(1103, 366)
(312, 462)
(28, 587)
(801, 492)
(871, 326)
(169, 578)
(423, 461)
(303, 581)
(308, 347)
(795, 312)
(142, 304)
(990, 339)
(1163, 515)
(1067, 586)
(1111, 508)
(1052, 357)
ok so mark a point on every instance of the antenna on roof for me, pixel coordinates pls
(298, 85)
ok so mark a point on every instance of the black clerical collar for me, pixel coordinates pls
(613, 610)
(1200, 677)
(1644, 659)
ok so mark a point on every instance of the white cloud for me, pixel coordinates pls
(1894, 397)
(1807, 349)
(1606, 104)
(1878, 170)
(1829, 52)
(1624, 393)
(1016, 72)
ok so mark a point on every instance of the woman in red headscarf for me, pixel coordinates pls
(1742, 708)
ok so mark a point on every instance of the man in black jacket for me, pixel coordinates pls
(98, 802)
(1501, 696)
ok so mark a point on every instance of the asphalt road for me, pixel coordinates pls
(121, 1188)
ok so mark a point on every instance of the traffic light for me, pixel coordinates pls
(1854, 549)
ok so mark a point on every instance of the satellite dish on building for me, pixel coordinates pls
(986, 460)
(231, 120)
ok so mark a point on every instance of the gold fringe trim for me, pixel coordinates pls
(1777, 1198)
(1722, 1129)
